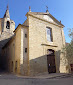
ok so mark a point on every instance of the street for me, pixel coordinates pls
(10, 79)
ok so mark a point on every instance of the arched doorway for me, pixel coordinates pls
(51, 61)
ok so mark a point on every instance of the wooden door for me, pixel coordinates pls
(51, 63)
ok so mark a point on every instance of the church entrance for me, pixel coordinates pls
(51, 61)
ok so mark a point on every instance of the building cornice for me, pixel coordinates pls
(30, 14)
(49, 45)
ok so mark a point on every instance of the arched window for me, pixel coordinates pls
(8, 25)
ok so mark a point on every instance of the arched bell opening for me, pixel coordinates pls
(8, 25)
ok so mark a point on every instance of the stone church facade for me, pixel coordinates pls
(36, 46)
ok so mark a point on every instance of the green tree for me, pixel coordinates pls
(69, 46)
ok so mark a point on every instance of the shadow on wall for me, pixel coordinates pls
(40, 65)
(3, 62)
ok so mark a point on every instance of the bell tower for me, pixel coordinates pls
(8, 25)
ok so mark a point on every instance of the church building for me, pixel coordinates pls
(7, 26)
(36, 45)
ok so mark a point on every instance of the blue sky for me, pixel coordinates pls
(60, 9)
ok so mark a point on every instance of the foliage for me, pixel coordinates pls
(69, 46)
(71, 34)
(69, 50)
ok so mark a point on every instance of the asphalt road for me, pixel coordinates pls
(9, 79)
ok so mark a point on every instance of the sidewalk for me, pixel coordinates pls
(54, 75)
(48, 76)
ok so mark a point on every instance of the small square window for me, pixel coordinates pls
(26, 35)
(25, 50)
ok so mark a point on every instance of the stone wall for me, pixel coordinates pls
(25, 54)
(18, 49)
(12, 52)
(37, 52)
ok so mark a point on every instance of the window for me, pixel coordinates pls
(8, 25)
(25, 35)
(25, 50)
(49, 34)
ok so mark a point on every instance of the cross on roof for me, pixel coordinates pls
(7, 7)
(46, 8)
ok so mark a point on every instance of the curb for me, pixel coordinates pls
(61, 76)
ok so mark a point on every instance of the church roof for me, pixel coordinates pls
(20, 25)
(46, 13)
